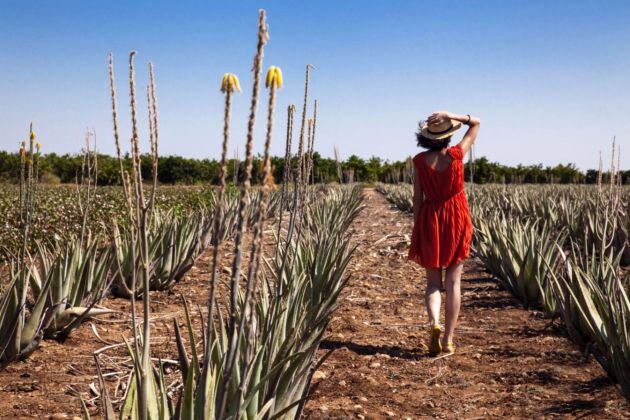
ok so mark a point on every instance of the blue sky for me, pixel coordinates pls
(549, 79)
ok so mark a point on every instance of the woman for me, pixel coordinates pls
(440, 241)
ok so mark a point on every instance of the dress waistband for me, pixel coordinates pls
(439, 201)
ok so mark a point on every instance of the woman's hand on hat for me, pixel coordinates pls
(438, 117)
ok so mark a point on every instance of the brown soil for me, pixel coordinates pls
(509, 361)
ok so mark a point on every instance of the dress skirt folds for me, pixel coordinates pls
(443, 229)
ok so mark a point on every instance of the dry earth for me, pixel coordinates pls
(510, 362)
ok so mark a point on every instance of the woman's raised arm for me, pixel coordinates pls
(471, 134)
(472, 123)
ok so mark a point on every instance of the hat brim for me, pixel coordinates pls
(456, 125)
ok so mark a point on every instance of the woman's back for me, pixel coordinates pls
(441, 175)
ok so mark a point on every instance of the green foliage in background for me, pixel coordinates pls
(185, 171)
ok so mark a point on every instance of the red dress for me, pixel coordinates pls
(443, 229)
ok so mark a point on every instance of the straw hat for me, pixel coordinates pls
(440, 131)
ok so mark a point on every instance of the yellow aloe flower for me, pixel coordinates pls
(230, 83)
(274, 77)
(32, 135)
(39, 146)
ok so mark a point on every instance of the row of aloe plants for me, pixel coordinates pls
(563, 249)
(400, 195)
(282, 325)
(257, 353)
(175, 241)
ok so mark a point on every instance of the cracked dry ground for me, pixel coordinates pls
(510, 362)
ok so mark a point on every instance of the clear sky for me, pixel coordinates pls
(550, 80)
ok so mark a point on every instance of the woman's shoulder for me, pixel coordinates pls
(419, 158)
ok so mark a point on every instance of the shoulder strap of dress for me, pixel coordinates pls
(456, 152)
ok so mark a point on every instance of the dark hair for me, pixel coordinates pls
(432, 144)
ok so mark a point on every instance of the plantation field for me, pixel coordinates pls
(280, 298)
(511, 360)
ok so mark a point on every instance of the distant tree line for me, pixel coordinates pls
(65, 168)
(485, 171)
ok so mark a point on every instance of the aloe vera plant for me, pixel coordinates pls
(222, 213)
(596, 308)
(174, 243)
(294, 304)
(76, 276)
(253, 205)
(22, 323)
(399, 195)
(522, 255)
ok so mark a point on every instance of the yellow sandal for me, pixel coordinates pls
(435, 345)
(448, 347)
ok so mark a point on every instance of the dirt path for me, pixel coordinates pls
(509, 361)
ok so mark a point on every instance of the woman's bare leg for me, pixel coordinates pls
(452, 280)
(432, 297)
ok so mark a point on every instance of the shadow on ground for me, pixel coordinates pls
(370, 350)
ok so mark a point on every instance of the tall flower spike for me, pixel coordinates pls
(274, 77)
(230, 83)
